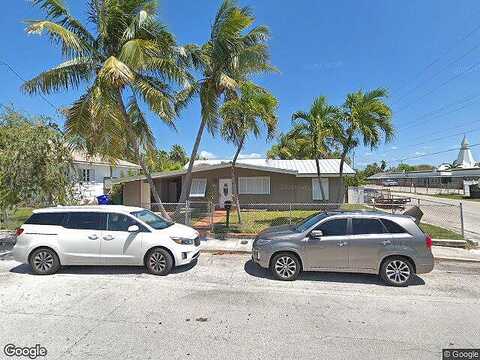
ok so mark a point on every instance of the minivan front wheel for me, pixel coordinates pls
(397, 271)
(44, 261)
(285, 266)
(159, 262)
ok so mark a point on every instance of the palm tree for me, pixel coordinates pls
(315, 128)
(177, 154)
(227, 59)
(244, 115)
(289, 146)
(365, 118)
(130, 53)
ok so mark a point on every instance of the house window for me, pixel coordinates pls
(198, 187)
(316, 192)
(87, 175)
(254, 185)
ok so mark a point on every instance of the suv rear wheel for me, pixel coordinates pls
(285, 266)
(44, 261)
(397, 271)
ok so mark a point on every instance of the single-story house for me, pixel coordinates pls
(258, 181)
(90, 173)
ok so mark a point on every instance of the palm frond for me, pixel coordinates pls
(72, 44)
(115, 73)
(69, 74)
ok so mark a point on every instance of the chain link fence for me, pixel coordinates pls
(442, 220)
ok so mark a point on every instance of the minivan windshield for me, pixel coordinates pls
(152, 219)
(308, 222)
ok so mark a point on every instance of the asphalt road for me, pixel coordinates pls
(226, 307)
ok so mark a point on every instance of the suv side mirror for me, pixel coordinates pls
(316, 234)
(133, 228)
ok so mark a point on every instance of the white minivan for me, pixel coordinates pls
(104, 235)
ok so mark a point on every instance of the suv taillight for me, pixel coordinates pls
(18, 231)
(428, 242)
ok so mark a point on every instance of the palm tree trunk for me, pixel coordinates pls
(322, 191)
(234, 180)
(145, 169)
(158, 200)
(187, 183)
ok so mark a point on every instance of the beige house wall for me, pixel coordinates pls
(136, 193)
(284, 188)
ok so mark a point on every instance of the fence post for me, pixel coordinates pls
(461, 220)
(290, 214)
(187, 210)
(212, 209)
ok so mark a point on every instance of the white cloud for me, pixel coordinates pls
(394, 147)
(250, 156)
(207, 155)
(368, 154)
(419, 153)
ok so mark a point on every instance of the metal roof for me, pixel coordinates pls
(82, 157)
(298, 167)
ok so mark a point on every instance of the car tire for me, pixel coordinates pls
(159, 262)
(44, 261)
(397, 271)
(285, 266)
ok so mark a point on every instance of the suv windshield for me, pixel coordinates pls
(307, 223)
(152, 219)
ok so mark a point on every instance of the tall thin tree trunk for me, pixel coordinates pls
(153, 189)
(322, 191)
(341, 195)
(234, 180)
(187, 183)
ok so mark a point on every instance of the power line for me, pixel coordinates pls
(430, 154)
(436, 60)
(22, 79)
(415, 122)
(439, 72)
(438, 138)
(438, 87)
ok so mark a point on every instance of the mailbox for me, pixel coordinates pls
(227, 205)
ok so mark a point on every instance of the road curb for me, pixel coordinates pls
(465, 260)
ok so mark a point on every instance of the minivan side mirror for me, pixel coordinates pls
(316, 234)
(133, 228)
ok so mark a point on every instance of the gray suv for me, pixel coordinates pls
(366, 242)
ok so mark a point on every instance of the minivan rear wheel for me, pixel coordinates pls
(397, 271)
(285, 266)
(159, 262)
(44, 261)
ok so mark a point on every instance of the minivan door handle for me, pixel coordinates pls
(387, 242)
(108, 237)
(93, 237)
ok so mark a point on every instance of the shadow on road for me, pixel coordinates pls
(354, 278)
(102, 270)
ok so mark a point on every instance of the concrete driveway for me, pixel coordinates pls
(226, 307)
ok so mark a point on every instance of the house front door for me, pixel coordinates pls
(225, 191)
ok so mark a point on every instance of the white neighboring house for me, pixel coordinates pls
(92, 171)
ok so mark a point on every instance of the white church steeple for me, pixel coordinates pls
(465, 158)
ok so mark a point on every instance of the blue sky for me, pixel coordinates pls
(321, 48)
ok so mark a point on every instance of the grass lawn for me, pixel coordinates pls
(254, 221)
(438, 232)
(257, 220)
(17, 219)
(453, 197)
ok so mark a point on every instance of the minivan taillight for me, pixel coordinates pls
(18, 231)
(428, 242)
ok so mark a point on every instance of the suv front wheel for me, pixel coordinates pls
(159, 262)
(397, 271)
(285, 266)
